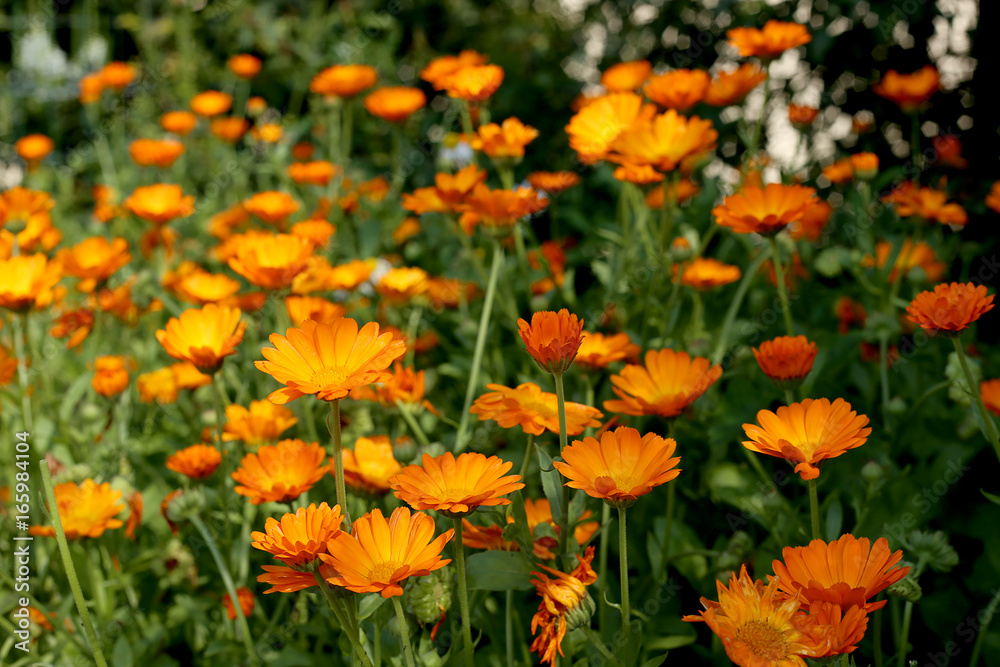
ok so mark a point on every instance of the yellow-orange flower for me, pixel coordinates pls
(667, 383)
(499, 210)
(839, 172)
(565, 605)
(271, 207)
(343, 80)
(193, 284)
(407, 228)
(449, 292)
(449, 191)
(912, 200)
(155, 152)
(865, 165)
(135, 514)
(328, 360)
(395, 103)
(405, 385)
(553, 182)
(774, 39)
(456, 486)
(280, 473)
(94, 260)
(379, 555)
(731, 87)
(801, 115)
(211, 103)
(229, 129)
(909, 91)
(204, 336)
(318, 172)
(532, 409)
(302, 308)
(807, 433)
(504, 141)
(110, 375)
(627, 76)
(949, 308)
(400, 284)
(989, 391)
(596, 126)
(370, 466)
(678, 89)
(244, 65)
(439, 69)
(600, 351)
(28, 280)
(178, 122)
(810, 227)
(298, 539)
(271, 261)
(552, 339)
(196, 461)
(246, 599)
(160, 203)
(475, 83)
(91, 88)
(538, 512)
(268, 133)
(911, 256)
(117, 75)
(262, 423)
(663, 141)
(33, 148)
(786, 359)
(764, 211)
(86, 509)
(704, 273)
(163, 385)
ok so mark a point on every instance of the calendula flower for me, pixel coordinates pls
(927, 203)
(679, 192)
(663, 141)
(807, 433)
(280, 473)
(110, 375)
(244, 65)
(810, 227)
(401, 284)
(499, 210)
(475, 83)
(178, 122)
(627, 76)
(532, 409)
(600, 351)
(271, 261)
(703, 273)
(565, 605)
(395, 103)
(196, 461)
(318, 172)
(246, 599)
(33, 148)
(160, 203)
(667, 383)
(204, 336)
(271, 207)
(731, 87)
(160, 153)
(950, 308)
(989, 391)
(553, 182)
(538, 512)
(678, 89)
(302, 308)
(765, 210)
(211, 103)
(439, 69)
(379, 555)
(86, 509)
(910, 256)
(909, 91)
(839, 172)
(229, 129)
(756, 623)
(552, 339)
(94, 260)
(117, 75)
(802, 115)
(865, 165)
(450, 292)
(619, 467)
(298, 539)
(787, 360)
(595, 127)
(8, 366)
(405, 385)
(328, 360)
(506, 141)
(834, 629)
(262, 423)
(406, 229)
(91, 88)
(638, 174)
(28, 280)
(848, 571)
(774, 39)
(370, 465)
(449, 191)
(163, 385)
(344, 80)
(195, 285)
(949, 151)
(456, 486)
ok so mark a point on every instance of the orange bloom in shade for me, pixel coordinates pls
(810, 227)
(449, 292)
(318, 172)
(499, 210)
(600, 351)
(395, 103)
(110, 375)
(807, 433)
(731, 87)
(135, 514)
(532, 409)
(638, 174)
(619, 467)
(204, 336)
(378, 555)
(302, 308)
(552, 339)
(400, 284)
(910, 257)
(626, 77)
(94, 260)
(28, 280)
(565, 605)
(989, 391)
(370, 466)
(912, 200)
(244, 65)
(280, 473)
(595, 127)
(774, 39)
(246, 599)
(847, 572)
(764, 211)
(33, 148)
(757, 624)
(229, 130)
(155, 152)
(663, 141)
(704, 273)
(117, 75)
(787, 360)
(949, 151)
(271, 207)
(993, 198)
(667, 383)
(679, 89)
(439, 69)
(553, 182)
(178, 122)
(298, 539)
(839, 172)
(504, 141)
(160, 203)
(271, 261)
(473, 84)
(91, 88)
(211, 103)
(262, 423)
(802, 115)
(196, 461)
(449, 191)
(949, 308)
(909, 91)
(684, 190)
(456, 486)
(865, 165)
(86, 509)
(328, 360)
(344, 80)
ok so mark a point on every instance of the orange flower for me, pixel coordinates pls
(328, 360)
(802, 115)
(155, 152)
(262, 423)
(679, 192)
(473, 84)
(117, 75)
(865, 165)
(807, 433)
(448, 193)
(211, 103)
(638, 174)
(731, 87)
(405, 385)
(33, 148)
(679, 89)
(667, 383)
(160, 203)
(627, 76)
(989, 391)
(456, 486)
(764, 211)
(165, 508)
(552, 339)
(163, 385)
(775, 38)
(27, 280)
(786, 360)
(663, 141)
(280, 473)
(439, 69)
(178, 122)
(204, 336)
(379, 555)
(993, 198)
(595, 127)
(619, 467)
(704, 273)
(229, 130)
(406, 229)
(553, 182)
(135, 514)
(532, 409)
(912, 200)
(298, 539)
(246, 599)
(920, 255)
(395, 103)
(400, 284)
(86, 509)
(810, 227)
(343, 80)
(244, 65)
(504, 141)
(949, 151)
(8, 366)
(538, 512)
(319, 172)
(91, 88)
(449, 292)
(193, 284)
(110, 375)
(832, 629)
(319, 275)
(271, 261)
(196, 461)
(847, 572)
(909, 91)
(949, 308)
(565, 605)
(499, 210)
(302, 308)
(839, 172)
(271, 207)
(600, 351)
(94, 260)
(370, 466)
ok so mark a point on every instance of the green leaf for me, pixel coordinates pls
(121, 654)
(72, 396)
(369, 605)
(655, 662)
(670, 642)
(518, 531)
(995, 499)
(834, 520)
(498, 571)
(550, 482)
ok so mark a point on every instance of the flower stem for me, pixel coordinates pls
(509, 627)
(668, 529)
(988, 424)
(333, 424)
(623, 575)
(991, 610)
(404, 635)
(463, 594)
(219, 396)
(905, 634)
(412, 422)
(477, 355)
(341, 615)
(786, 309)
(734, 307)
(20, 336)
(564, 505)
(602, 567)
(595, 639)
(529, 454)
(814, 509)
(67, 559)
(883, 353)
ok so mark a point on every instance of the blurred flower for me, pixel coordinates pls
(268, 133)
(343, 80)
(909, 91)
(786, 359)
(678, 89)
(405, 385)
(302, 308)
(33, 148)
(178, 122)
(298, 539)
(989, 391)
(600, 351)
(506, 141)
(204, 336)
(319, 172)
(538, 512)
(810, 227)
(401, 284)
(802, 116)
(407, 228)
(449, 292)
(110, 375)
(456, 486)
(368, 468)
(704, 273)
(949, 151)
(774, 39)
(196, 461)
(475, 83)
(638, 174)
(193, 284)
(439, 69)
(211, 103)
(865, 165)
(91, 88)
(229, 129)
(271, 261)
(594, 128)
(949, 308)
(729, 88)
(73, 324)
(86, 509)
(117, 75)
(28, 280)
(553, 182)
(160, 203)
(627, 76)
(280, 473)
(262, 423)
(155, 152)
(565, 605)
(532, 409)
(246, 599)
(94, 260)
(667, 383)
(448, 193)
(910, 256)
(679, 192)
(497, 211)
(839, 172)
(552, 339)
(163, 385)
(395, 103)
(932, 205)
(764, 211)
(993, 198)
(271, 207)
(244, 65)
(663, 141)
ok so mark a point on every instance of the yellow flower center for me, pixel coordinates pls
(329, 377)
(456, 493)
(384, 571)
(624, 481)
(763, 639)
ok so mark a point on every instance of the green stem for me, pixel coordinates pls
(758, 128)
(343, 619)
(564, 506)
(877, 640)
(883, 353)
(529, 454)
(412, 422)
(595, 640)
(789, 397)
(345, 134)
(623, 575)
(463, 594)
(734, 307)
(509, 627)
(219, 396)
(67, 559)
(814, 509)
(466, 117)
(990, 427)
(404, 635)
(20, 336)
(915, 141)
(602, 567)
(991, 611)
(668, 529)
(786, 309)
(333, 424)
(905, 634)
(411, 332)
(477, 355)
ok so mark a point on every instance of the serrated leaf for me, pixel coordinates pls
(498, 571)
